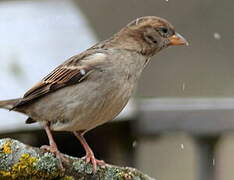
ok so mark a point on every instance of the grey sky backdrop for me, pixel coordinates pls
(205, 68)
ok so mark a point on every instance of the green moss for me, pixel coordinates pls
(89, 168)
(110, 173)
(43, 168)
(117, 173)
(21, 162)
(5, 164)
(24, 166)
(79, 165)
(47, 167)
(5, 173)
(5, 153)
(128, 176)
(47, 163)
(67, 178)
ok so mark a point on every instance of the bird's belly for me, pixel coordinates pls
(97, 112)
(82, 107)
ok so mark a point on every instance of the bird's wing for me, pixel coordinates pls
(73, 71)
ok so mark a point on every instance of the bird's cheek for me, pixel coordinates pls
(163, 44)
(167, 42)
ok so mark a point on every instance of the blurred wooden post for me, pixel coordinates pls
(206, 157)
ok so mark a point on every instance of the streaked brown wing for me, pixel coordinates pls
(59, 78)
(72, 71)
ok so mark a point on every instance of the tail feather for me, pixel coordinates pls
(8, 104)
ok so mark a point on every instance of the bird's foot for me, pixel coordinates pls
(60, 156)
(91, 158)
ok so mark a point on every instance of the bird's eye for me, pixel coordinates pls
(164, 30)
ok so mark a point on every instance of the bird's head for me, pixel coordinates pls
(148, 35)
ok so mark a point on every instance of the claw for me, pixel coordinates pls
(90, 158)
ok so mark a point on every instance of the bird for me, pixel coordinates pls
(92, 88)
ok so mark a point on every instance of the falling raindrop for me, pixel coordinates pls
(217, 36)
(82, 72)
(182, 146)
(134, 143)
(213, 162)
(183, 86)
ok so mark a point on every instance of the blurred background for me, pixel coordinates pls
(180, 123)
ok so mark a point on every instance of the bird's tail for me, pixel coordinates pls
(8, 104)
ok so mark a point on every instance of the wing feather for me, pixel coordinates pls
(64, 75)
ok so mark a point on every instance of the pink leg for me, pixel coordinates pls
(53, 146)
(89, 153)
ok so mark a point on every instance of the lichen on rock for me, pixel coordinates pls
(21, 162)
(6, 147)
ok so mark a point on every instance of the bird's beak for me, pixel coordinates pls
(177, 40)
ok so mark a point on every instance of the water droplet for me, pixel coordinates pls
(213, 162)
(217, 36)
(134, 143)
(182, 146)
(183, 86)
(82, 72)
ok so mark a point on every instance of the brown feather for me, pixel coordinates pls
(9, 104)
(65, 75)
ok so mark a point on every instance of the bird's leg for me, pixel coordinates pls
(89, 157)
(53, 146)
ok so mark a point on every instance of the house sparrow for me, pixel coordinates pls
(92, 88)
